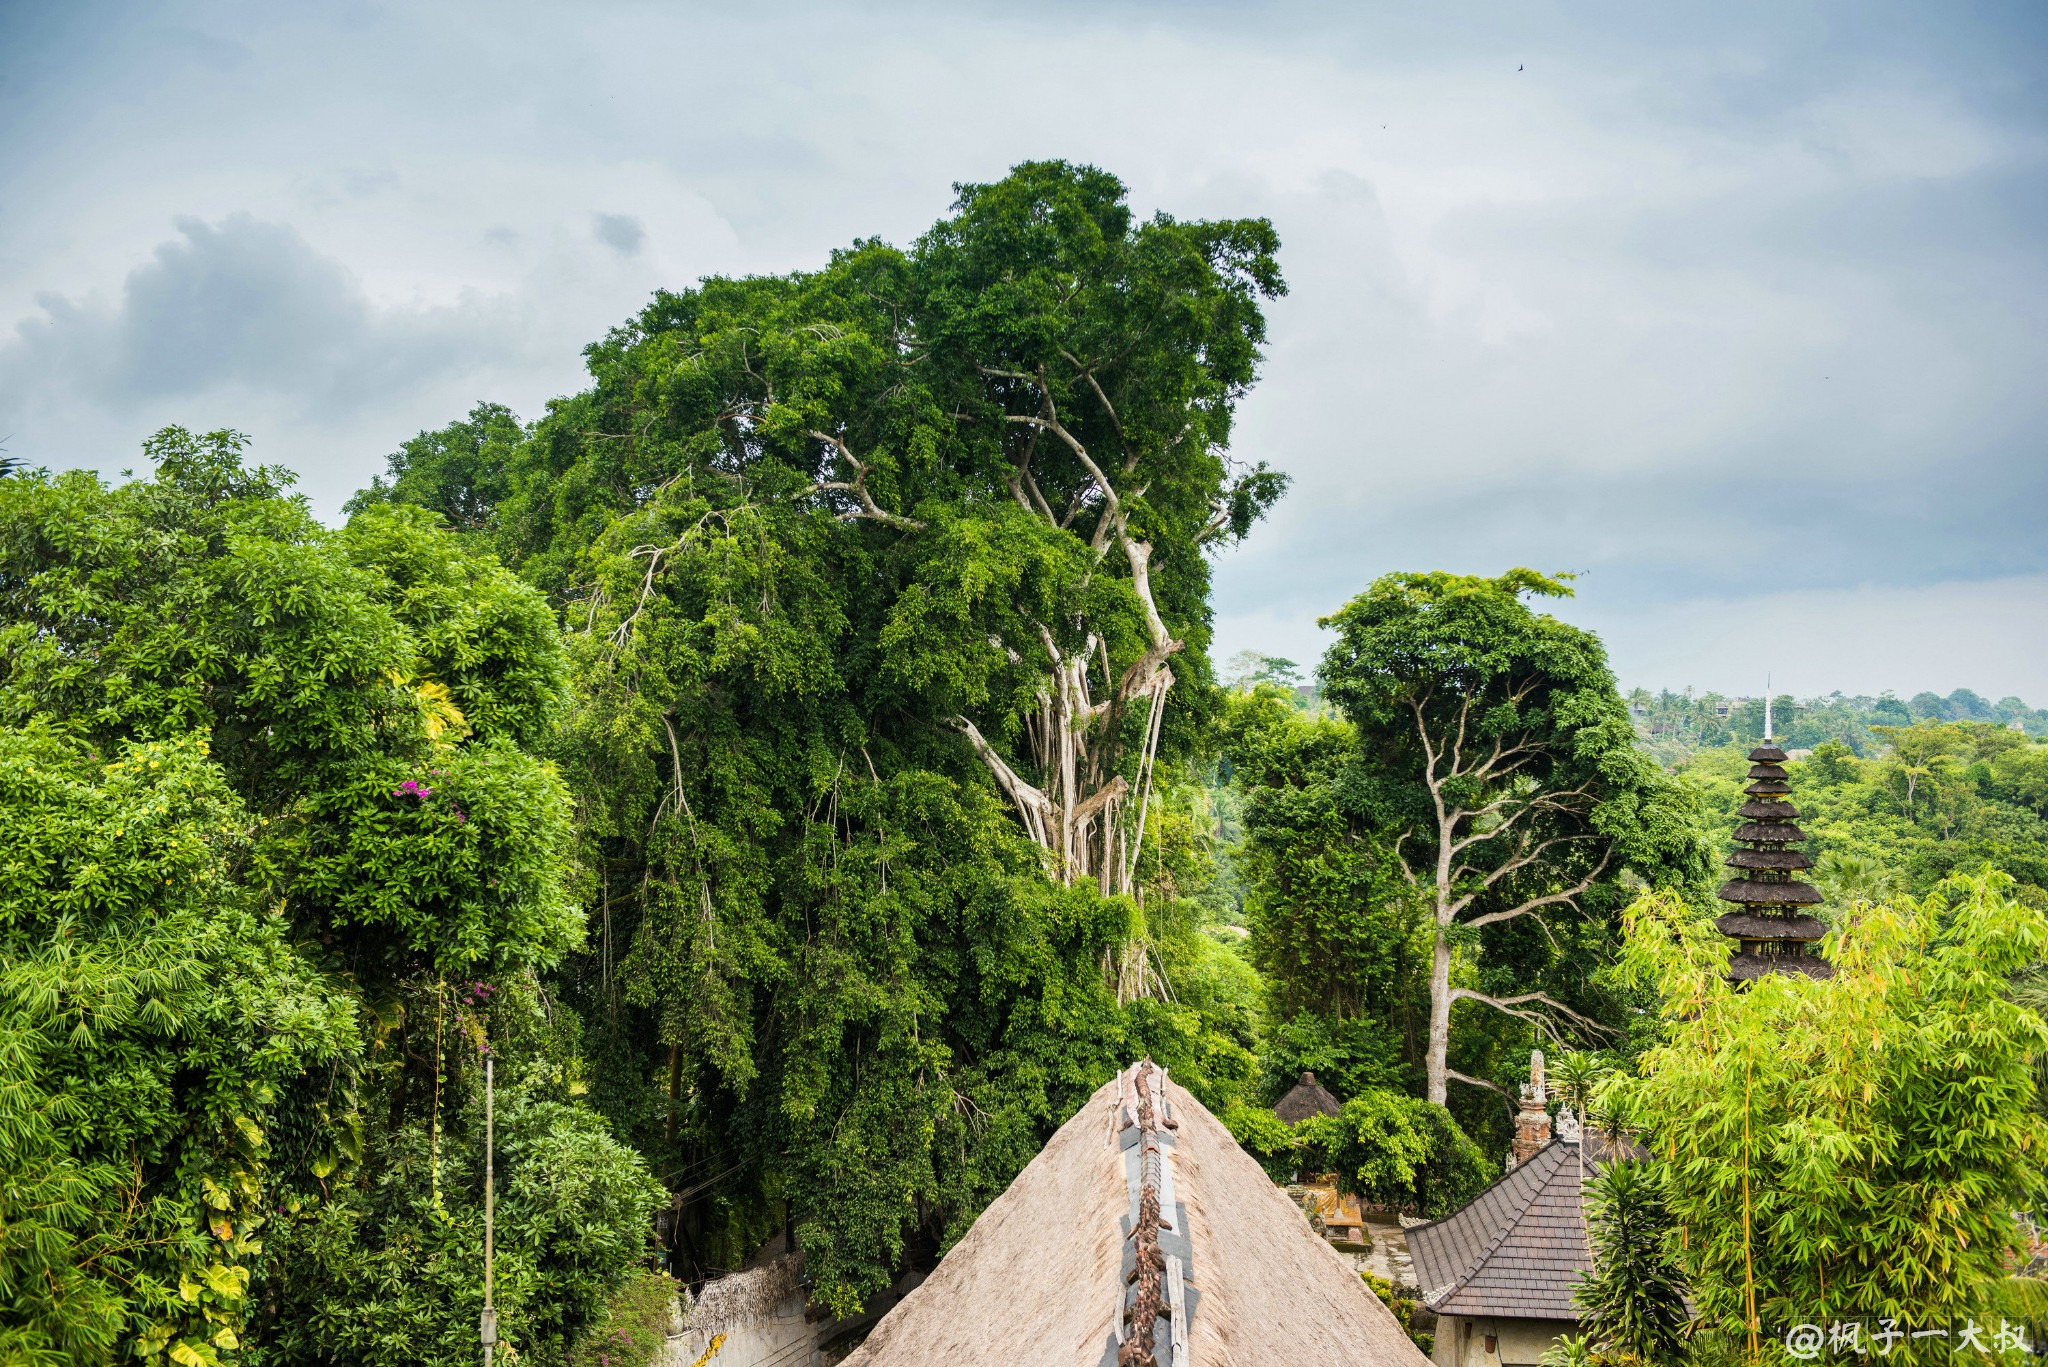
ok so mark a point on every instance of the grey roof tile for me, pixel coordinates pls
(1519, 1247)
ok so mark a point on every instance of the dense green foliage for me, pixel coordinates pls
(794, 762)
(886, 594)
(1852, 1148)
(633, 1330)
(1392, 1150)
(1398, 1152)
(160, 1045)
(280, 852)
(1484, 773)
(1936, 798)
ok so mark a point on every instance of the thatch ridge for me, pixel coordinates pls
(1035, 1280)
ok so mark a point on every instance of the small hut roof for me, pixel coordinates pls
(1768, 787)
(1751, 893)
(1767, 753)
(1306, 1098)
(1769, 771)
(1043, 1265)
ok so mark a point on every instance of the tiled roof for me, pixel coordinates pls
(1518, 1248)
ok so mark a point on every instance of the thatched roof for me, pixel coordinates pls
(1751, 893)
(1769, 859)
(1039, 1278)
(1745, 925)
(1769, 832)
(1767, 753)
(1306, 1098)
(1747, 967)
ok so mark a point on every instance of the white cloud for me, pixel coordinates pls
(1984, 635)
(1707, 307)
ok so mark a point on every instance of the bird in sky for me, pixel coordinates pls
(1518, 66)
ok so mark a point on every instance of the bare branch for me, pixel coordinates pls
(1058, 429)
(858, 487)
(1514, 1006)
(1101, 798)
(1406, 871)
(1569, 895)
(1037, 810)
(1088, 374)
(1456, 1076)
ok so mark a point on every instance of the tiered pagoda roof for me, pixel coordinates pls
(1774, 931)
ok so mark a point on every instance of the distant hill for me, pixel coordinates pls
(1673, 726)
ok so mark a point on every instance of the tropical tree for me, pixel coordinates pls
(1633, 1300)
(1397, 1151)
(348, 721)
(886, 587)
(1852, 1148)
(1504, 770)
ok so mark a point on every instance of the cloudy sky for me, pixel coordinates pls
(1736, 310)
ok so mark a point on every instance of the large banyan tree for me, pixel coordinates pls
(889, 588)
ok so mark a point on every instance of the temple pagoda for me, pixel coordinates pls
(1774, 930)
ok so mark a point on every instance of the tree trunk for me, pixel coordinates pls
(1440, 1017)
(675, 1091)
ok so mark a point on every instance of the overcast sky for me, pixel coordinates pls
(1736, 310)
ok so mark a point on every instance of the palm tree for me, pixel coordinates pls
(1632, 1302)
(1850, 879)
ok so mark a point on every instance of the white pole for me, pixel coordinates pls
(1767, 709)
(488, 1329)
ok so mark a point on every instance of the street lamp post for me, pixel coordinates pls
(488, 1328)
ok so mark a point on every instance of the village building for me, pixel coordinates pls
(1499, 1273)
(1140, 1236)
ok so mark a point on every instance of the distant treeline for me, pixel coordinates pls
(1674, 725)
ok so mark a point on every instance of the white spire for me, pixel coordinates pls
(1767, 709)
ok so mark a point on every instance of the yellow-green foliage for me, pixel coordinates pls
(152, 1017)
(1852, 1148)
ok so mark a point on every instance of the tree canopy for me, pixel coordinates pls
(1502, 768)
(278, 850)
(886, 590)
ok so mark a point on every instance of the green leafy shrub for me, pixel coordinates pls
(632, 1328)
(1396, 1151)
(1266, 1137)
(1408, 1311)
(152, 1022)
(1633, 1300)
